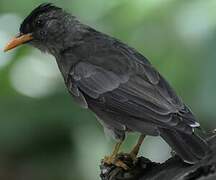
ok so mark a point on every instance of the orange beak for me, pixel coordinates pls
(18, 41)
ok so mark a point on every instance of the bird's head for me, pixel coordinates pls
(45, 28)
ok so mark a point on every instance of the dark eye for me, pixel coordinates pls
(42, 33)
(39, 23)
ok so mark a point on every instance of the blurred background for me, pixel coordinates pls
(44, 135)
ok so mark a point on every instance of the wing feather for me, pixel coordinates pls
(136, 97)
(130, 85)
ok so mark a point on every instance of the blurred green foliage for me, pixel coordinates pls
(44, 135)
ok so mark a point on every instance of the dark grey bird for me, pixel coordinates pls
(113, 80)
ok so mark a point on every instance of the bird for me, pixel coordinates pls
(115, 81)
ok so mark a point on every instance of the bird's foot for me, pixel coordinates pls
(116, 161)
(123, 160)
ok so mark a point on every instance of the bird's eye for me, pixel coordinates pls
(42, 33)
(39, 23)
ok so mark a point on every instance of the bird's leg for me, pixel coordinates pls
(136, 148)
(115, 150)
(112, 159)
(116, 159)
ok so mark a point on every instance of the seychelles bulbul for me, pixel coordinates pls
(116, 82)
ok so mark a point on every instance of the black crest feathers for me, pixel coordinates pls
(43, 8)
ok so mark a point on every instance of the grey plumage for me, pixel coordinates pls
(115, 81)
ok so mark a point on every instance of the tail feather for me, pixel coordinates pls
(190, 147)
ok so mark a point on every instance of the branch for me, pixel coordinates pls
(172, 169)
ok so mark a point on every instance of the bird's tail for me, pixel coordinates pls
(190, 147)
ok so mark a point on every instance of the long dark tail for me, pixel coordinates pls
(190, 147)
